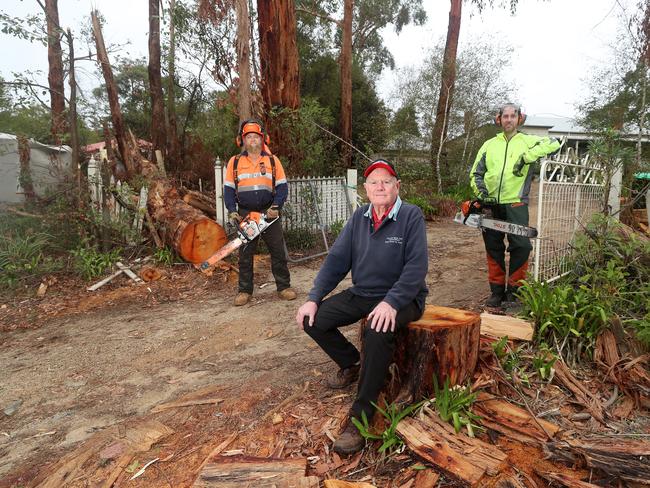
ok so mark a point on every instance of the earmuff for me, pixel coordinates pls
(240, 135)
(521, 117)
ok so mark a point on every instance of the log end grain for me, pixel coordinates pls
(201, 239)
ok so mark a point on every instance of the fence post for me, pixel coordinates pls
(218, 193)
(94, 178)
(352, 188)
(614, 200)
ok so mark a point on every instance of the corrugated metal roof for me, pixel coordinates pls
(555, 124)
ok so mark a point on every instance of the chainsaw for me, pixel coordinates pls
(248, 230)
(477, 214)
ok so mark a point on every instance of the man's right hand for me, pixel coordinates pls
(234, 218)
(307, 309)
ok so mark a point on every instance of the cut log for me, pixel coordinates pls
(503, 325)
(512, 421)
(194, 236)
(623, 458)
(444, 342)
(459, 456)
(236, 472)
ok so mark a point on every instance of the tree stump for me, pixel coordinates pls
(444, 342)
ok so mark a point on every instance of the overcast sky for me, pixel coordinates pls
(556, 42)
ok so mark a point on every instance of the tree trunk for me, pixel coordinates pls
(444, 342)
(158, 130)
(243, 60)
(279, 68)
(55, 72)
(346, 84)
(173, 147)
(448, 79)
(25, 176)
(74, 133)
(111, 89)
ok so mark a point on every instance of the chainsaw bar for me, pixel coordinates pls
(481, 222)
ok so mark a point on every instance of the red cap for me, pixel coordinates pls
(380, 163)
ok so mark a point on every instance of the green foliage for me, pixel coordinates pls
(518, 362)
(300, 238)
(313, 151)
(90, 263)
(392, 415)
(427, 209)
(165, 256)
(454, 405)
(609, 277)
(335, 228)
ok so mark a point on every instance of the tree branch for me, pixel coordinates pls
(305, 10)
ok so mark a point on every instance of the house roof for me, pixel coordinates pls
(555, 124)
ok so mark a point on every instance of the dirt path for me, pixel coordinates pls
(73, 375)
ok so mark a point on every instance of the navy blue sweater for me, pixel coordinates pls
(390, 263)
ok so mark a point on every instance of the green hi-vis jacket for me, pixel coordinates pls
(492, 172)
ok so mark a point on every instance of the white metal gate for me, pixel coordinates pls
(569, 195)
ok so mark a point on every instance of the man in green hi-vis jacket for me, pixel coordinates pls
(501, 178)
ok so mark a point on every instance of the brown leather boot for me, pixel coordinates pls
(287, 294)
(242, 298)
(350, 440)
(344, 377)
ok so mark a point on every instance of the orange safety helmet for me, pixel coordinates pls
(521, 117)
(251, 126)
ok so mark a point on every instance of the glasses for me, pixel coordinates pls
(384, 182)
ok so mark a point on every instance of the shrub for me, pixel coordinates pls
(90, 263)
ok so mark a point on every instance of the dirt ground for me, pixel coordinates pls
(74, 362)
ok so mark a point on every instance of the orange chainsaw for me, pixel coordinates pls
(248, 230)
(475, 213)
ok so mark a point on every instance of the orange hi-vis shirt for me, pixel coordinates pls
(254, 190)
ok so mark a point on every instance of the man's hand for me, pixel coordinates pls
(234, 218)
(382, 318)
(307, 309)
(519, 167)
(273, 212)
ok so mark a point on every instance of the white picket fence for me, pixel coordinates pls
(105, 203)
(570, 193)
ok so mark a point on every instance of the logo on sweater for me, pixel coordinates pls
(394, 240)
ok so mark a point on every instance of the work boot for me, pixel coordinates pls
(242, 298)
(287, 294)
(344, 377)
(350, 440)
(511, 300)
(495, 300)
(511, 295)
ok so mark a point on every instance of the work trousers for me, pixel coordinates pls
(275, 242)
(519, 248)
(347, 308)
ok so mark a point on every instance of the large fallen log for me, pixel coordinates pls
(444, 342)
(628, 459)
(240, 471)
(512, 421)
(459, 456)
(189, 231)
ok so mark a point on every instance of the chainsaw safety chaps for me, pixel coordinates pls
(519, 248)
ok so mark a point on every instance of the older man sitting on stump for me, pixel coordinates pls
(384, 245)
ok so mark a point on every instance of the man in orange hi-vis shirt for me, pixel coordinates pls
(255, 182)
